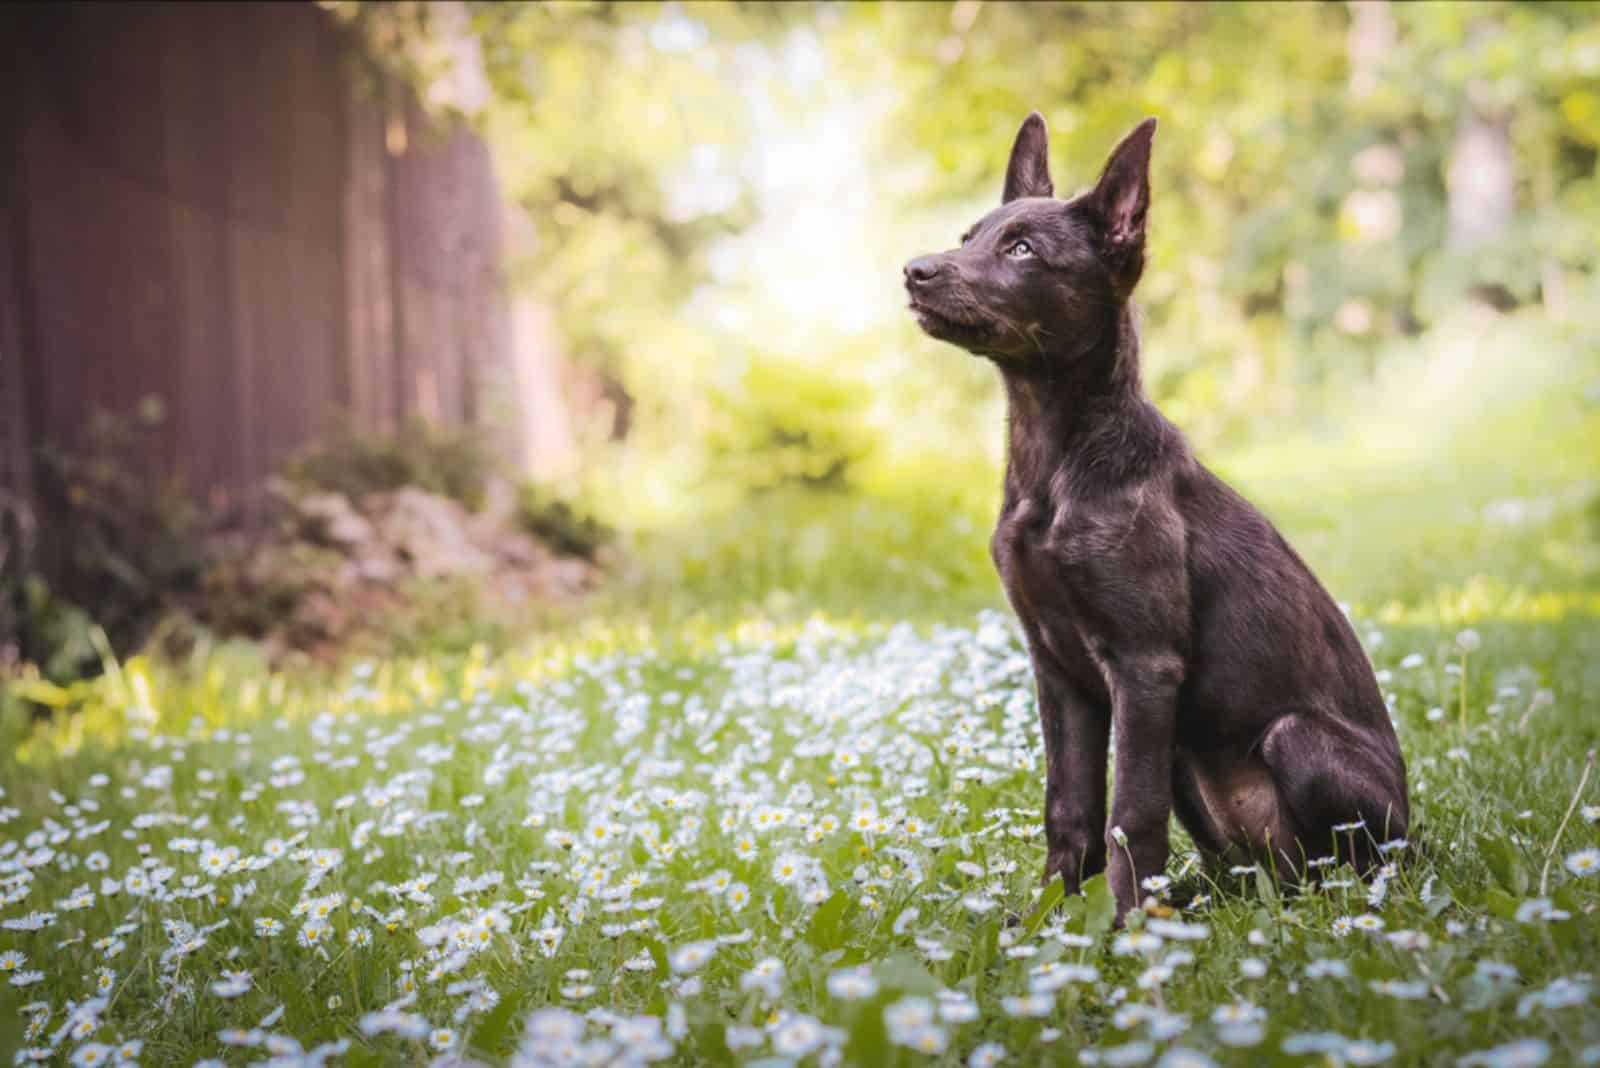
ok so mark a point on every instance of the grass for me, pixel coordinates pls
(775, 799)
(626, 800)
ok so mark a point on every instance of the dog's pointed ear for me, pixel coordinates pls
(1122, 197)
(1028, 173)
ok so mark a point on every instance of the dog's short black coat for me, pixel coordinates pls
(1157, 603)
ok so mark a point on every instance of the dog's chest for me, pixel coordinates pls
(1034, 550)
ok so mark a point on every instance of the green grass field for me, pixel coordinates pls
(774, 800)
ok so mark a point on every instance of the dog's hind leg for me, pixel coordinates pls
(1189, 805)
(1330, 775)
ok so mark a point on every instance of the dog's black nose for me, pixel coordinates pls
(923, 269)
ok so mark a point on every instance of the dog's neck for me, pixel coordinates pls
(1074, 412)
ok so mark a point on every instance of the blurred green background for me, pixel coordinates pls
(1369, 300)
(1370, 296)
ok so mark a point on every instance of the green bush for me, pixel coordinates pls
(559, 523)
(46, 631)
(454, 462)
(786, 424)
(124, 541)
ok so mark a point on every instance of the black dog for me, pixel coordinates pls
(1156, 601)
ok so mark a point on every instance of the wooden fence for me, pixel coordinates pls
(210, 203)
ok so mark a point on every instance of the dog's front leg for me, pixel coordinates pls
(1076, 737)
(1144, 691)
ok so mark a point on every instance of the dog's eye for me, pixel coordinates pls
(1020, 250)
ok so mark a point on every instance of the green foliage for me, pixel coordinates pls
(252, 588)
(561, 523)
(454, 462)
(1301, 231)
(1300, 214)
(124, 541)
(780, 423)
(1468, 466)
(52, 634)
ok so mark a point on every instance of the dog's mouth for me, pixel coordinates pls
(945, 324)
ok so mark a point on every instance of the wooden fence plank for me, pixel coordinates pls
(16, 477)
(212, 216)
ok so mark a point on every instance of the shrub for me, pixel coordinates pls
(785, 424)
(124, 541)
(560, 524)
(455, 462)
